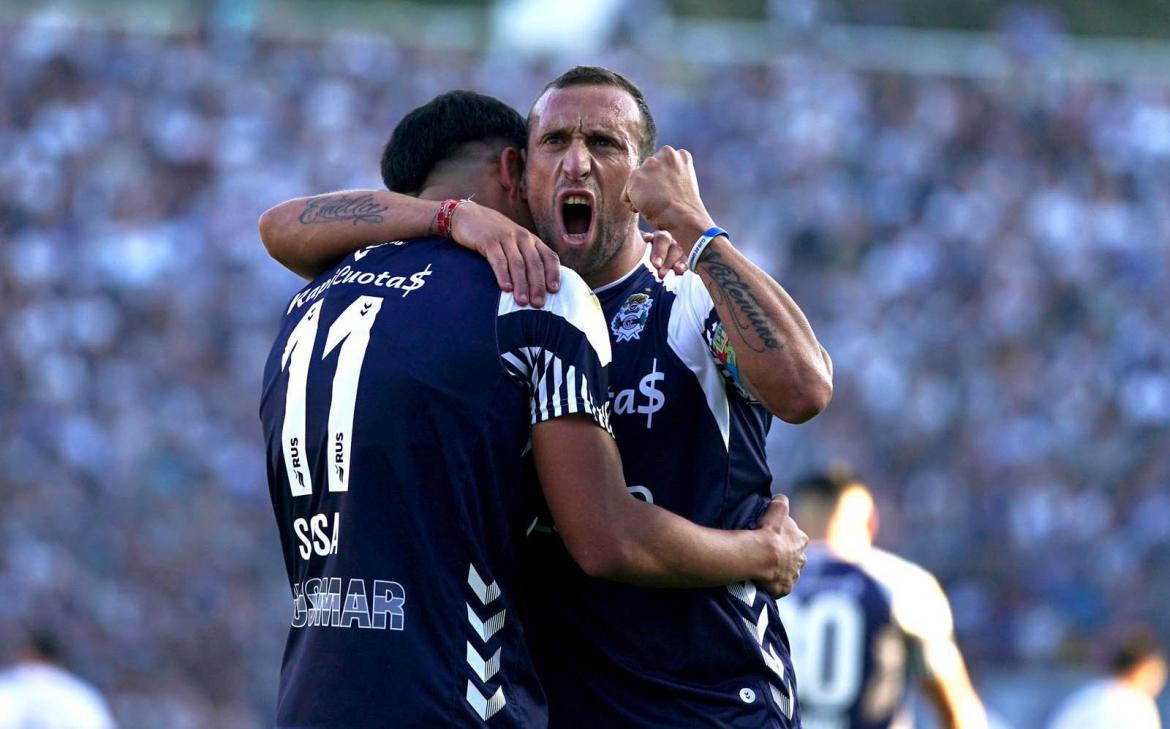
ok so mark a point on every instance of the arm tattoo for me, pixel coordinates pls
(340, 208)
(746, 312)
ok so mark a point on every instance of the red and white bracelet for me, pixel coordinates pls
(445, 215)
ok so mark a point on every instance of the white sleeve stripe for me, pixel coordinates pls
(556, 393)
(542, 385)
(552, 364)
(570, 383)
(553, 386)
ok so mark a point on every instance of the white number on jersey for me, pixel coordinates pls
(828, 634)
(351, 331)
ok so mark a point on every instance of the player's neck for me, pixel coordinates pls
(445, 191)
(625, 260)
(851, 546)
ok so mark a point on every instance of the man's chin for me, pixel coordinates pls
(579, 256)
(575, 258)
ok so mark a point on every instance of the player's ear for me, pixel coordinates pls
(873, 523)
(512, 171)
(523, 179)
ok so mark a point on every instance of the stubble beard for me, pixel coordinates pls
(584, 261)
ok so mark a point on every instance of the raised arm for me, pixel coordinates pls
(613, 535)
(779, 358)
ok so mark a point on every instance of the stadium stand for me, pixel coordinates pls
(985, 258)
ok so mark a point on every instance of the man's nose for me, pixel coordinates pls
(577, 163)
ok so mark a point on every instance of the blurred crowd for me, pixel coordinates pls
(987, 261)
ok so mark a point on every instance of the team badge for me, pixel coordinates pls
(630, 320)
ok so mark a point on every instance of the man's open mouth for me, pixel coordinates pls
(576, 217)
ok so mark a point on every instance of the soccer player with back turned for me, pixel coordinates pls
(865, 622)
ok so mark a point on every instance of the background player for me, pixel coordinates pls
(701, 362)
(863, 621)
(38, 692)
(399, 396)
(1125, 698)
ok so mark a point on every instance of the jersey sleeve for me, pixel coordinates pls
(923, 612)
(559, 353)
(694, 311)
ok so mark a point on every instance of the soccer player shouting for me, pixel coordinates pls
(701, 363)
(399, 398)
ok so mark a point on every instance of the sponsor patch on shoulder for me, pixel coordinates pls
(631, 318)
(724, 354)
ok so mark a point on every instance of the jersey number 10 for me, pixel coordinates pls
(351, 330)
(828, 648)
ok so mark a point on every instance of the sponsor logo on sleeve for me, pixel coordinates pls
(724, 354)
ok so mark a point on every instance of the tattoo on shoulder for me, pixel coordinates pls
(342, 208)
(747, 313)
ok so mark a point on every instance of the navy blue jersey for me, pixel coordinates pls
(691, 441)
(398, 401)
(860, 626)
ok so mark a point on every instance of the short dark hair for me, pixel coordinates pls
(826, 486)
(438, 129)
(45, 643)
(598, 76)
(1135, 645)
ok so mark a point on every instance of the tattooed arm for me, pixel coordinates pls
(309, 235)
(778, 356)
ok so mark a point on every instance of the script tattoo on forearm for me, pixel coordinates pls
(342, 208)
(747, 313)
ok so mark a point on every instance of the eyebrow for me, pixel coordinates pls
(569, 128)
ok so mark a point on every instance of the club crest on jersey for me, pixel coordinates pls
(630, 320)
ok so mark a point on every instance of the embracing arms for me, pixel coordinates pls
(309, 235)
(612, 534)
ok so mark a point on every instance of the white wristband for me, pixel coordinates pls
(702, 243)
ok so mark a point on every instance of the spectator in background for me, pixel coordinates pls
(39, 693)
(1125, 698)
(862, 621)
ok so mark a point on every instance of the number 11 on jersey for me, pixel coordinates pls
(351, 331)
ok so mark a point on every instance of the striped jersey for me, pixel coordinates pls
(860, 627)
(692, 441)
(398, 401)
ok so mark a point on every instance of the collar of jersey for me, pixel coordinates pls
(644, 263)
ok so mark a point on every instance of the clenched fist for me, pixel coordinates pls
(665, 191)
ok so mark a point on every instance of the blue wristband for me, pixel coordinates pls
(702, 243)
